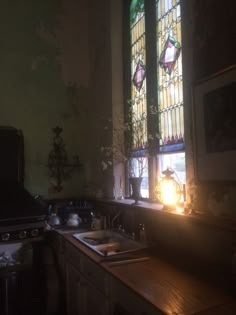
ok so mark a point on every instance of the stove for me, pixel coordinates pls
(21, 232)
(22, 224)
(17, 206)
(21, 215)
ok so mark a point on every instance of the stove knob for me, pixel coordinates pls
(35, 232)
(22, 234)
(5, 237)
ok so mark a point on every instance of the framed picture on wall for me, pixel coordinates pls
(214, 115)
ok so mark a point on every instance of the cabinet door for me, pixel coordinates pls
(57, 243)
(61, 258)
(83, 298)
(95, 274)
(120, 310)
(127, 302)
(73, 290)
(93, 301)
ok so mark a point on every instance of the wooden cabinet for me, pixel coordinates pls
(126, 302)
(94, 301)
(72, 255)
(89, 289)
(85, 285)
(57, 243)
(95, 274)
(73, 290)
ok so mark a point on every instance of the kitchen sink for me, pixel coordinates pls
(108, 242)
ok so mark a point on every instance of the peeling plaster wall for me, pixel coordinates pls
(100, 98)
(56, 71)
(44, 48)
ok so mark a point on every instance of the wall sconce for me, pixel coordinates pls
(58, 165)
(169, 191)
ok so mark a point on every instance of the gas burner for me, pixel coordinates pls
(21, 232)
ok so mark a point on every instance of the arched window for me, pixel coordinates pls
(154, 89)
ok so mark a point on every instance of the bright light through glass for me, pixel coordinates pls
(179, 209)
(175, 161)
(169, 192)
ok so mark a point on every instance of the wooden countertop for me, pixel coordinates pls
(166, 286)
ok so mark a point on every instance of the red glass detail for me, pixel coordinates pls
(170, 54)
(139, 75)
(181, 138)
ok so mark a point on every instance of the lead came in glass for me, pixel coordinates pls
(139, 75)
(170, 94)
(170, 54)
(138, 64)
(136, 7)
(138, 102)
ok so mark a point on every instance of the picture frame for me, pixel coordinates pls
(214, 127)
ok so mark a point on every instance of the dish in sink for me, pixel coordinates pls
(108, 242)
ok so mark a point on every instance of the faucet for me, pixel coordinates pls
(115, 218)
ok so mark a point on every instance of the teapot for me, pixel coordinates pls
(54, 219)
(73, 220)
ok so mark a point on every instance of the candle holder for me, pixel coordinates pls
(59, 166)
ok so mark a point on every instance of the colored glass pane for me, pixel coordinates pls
(170, 81)
(136, 7)
(138, 104)
(170, 54)
(139, 75)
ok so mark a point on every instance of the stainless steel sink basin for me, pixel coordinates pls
(108, 242)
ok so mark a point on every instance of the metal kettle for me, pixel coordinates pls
(73, 220)
(54, 219)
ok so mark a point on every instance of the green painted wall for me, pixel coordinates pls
(40, 57)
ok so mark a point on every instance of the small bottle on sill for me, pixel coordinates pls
(142, 234)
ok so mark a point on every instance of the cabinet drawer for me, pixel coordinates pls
(95, 274)
(73, 255)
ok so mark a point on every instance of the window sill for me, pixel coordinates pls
(226, 223)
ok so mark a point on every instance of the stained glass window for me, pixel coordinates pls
(138, 91)
(138, 69)
(170, 79)
(169, 54)
(156, 87)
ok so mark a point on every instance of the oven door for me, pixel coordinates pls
(21, 281)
